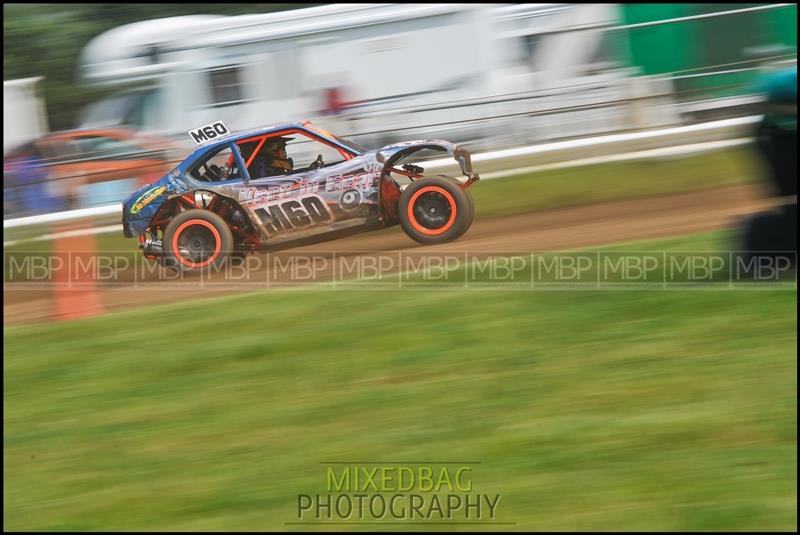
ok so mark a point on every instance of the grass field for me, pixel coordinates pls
(654, 410)
(615, 181)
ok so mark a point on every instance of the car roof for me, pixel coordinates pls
(118, 133)
(305, 126)
(68, 135)
(243, 134)
(253, 132)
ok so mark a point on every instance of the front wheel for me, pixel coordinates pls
(435, 210)
(196, 239)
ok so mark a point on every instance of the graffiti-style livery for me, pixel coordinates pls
(238, 193)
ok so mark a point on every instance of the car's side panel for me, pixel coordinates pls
(310, 203)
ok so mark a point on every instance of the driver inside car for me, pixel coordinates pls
(272, 160)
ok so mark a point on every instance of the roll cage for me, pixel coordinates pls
(245, 158)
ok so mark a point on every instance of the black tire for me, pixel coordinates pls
(203, 240)
(471, 213)
(435, 210)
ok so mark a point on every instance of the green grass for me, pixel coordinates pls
(538, 191)
(614, 181)
(657, 410)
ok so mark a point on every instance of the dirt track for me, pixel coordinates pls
(561, 229)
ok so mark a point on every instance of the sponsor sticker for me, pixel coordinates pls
(146, 197)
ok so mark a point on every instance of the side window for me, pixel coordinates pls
(107, 147)
(139, 107)
(218, 166)
(226, 86)
(305, 152)
(281, 155)
(58, 152)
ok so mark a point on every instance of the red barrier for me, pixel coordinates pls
(75, 293)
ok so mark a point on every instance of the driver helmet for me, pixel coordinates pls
(277, 143)
(276, 147)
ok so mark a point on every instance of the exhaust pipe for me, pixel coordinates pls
(151, 247)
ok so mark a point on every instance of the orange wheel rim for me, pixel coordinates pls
(176, 249)
(415, 224)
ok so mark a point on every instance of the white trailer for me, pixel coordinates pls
(24, 116)
(409, 70)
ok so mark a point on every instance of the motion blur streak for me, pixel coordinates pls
(611, 345)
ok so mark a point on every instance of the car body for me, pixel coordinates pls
(349, 188)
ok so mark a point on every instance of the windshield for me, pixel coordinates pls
(352, 145)
(128, 108)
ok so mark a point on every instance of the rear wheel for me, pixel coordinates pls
(196, 239)
(471, 216)
(435, 210)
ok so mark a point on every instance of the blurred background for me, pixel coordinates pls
(98, 98)
(135, 400)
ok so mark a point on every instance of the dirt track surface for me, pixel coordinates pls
(561, 229)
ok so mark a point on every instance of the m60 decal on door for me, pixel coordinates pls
(293, 214)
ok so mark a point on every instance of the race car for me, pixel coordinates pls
(232, 196)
